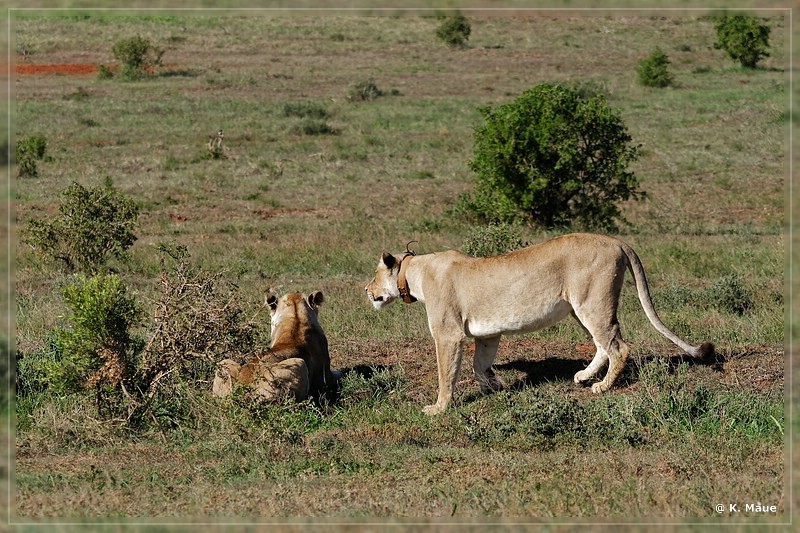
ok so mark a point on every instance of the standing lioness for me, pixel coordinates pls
(525, 290)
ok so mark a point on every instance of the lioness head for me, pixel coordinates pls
(382, 290)
(293, 307)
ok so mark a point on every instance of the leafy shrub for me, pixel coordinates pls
(95, 351)
(729, 294)
(554, 157)
(454, 30)
(493, 239)
(91, 225)
(363, 91)
(742, 38)
(137, 56)
(28, 151)
(654, 70)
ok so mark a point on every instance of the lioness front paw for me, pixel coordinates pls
(581, 377)
(433, 409)
(601, 387)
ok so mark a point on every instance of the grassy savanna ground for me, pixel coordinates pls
(302, 211)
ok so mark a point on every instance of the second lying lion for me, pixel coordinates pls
(297, 364)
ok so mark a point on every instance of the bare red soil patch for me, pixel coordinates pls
(59, 68)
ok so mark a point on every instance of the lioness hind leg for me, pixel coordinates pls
(485, 352)
(600, 357)
(598, 362)
(617, 356)
(606, 336)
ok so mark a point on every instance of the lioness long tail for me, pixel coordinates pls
(705, 351)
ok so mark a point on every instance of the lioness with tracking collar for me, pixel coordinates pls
(525, 290)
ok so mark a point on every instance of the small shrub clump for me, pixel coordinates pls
(91, 225)
(28, 151)
(137, 56)
(311, 126)
(363, 91)
(742, 38)
(729, 294)
(654, 70)
(454, 31)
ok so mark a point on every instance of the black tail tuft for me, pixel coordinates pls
(706, 354)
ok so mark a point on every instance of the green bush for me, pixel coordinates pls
(94, 351)
(137, 56)
(99, 346)
(28, 151)
(654, 70)
(742, 38)
(493, 239)
(91, 225)
(552, 156)
(454, 30)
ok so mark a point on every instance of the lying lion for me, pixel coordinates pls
(297, 364)
(525, 290)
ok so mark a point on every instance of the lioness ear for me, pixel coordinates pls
(315, 299)
(388, 260)
(272, 302)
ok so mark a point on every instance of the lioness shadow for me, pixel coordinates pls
(562, 369)
(542, 371)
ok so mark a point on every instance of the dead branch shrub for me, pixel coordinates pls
(199, 319)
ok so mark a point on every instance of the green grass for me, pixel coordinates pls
(522, 448)
(303, 209)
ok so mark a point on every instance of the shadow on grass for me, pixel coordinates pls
(365, 371)
(562, 369)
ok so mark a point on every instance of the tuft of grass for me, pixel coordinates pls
(306, 109)
(311, 126)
